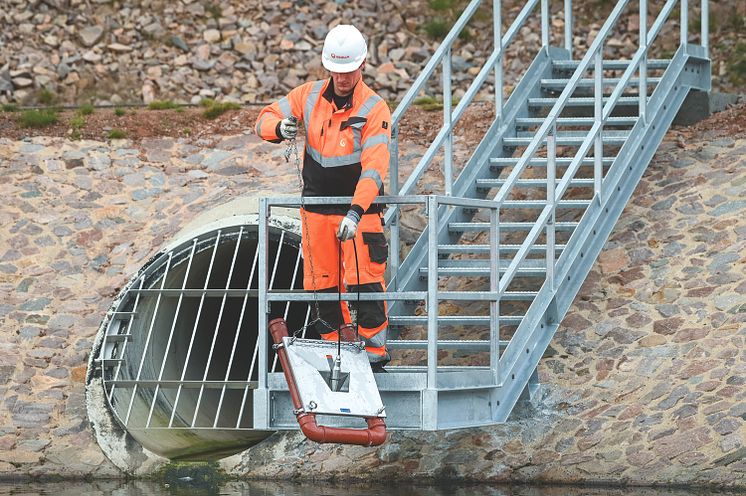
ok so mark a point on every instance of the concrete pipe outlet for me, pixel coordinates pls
(175, 360)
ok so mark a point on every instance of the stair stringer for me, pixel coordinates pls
(478, 167)
(689, 69)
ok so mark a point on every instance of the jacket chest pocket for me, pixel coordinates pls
(352, 129)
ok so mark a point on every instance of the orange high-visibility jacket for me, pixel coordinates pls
(347, 149)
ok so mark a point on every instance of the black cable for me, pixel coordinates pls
(339, 297)
(357, 311)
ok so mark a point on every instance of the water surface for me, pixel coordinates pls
(187, 488)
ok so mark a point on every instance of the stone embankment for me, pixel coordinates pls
(644, 382)
(132, 52)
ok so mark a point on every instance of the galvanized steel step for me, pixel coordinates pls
(480, 320)
(483, 268)
(607, 138)
(500, 162)
(576, 121)
(530, 183)
(612, 64)
(582, 101)
(560, 83)
(505, 226)
(502, 248)
(421, 344)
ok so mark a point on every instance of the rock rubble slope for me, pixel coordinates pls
(106, 51)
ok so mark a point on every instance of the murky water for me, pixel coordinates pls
(142, 488)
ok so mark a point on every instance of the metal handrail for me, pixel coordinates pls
(432, 296)
(451, 120)
(548, 128)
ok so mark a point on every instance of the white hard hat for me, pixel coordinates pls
(344, 49)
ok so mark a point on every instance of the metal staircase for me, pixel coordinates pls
(508, 243)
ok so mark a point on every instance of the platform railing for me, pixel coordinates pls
(431, 297)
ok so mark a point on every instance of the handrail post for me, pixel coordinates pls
(568, 26)
(261, 393)
(447, 118)
(432, 292)
(545, 23)
(394, 187)
(498, 37)
(706, 27)
(598, 149)
(684, 22)
(551, 200)
(494, 287)
(643, 91)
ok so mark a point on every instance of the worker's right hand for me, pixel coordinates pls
(289, 128)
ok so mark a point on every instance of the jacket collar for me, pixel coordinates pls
(328, 93)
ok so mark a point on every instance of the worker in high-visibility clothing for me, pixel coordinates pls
(346, 154)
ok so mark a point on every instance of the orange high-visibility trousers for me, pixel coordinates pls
(364, 272)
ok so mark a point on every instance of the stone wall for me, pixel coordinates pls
(644, 382)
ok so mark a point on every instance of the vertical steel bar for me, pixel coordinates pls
(217, 327)
(568, 26)
(684, 22)
(233, 350)
(598, 152)
(545, 23)
(643, 93)
(551, 201)
(287, 304)
(432, 293)
(124, 344)
(195, 326)
(494, 287)
(171, 332)
(498, 42)
(394, 187)
(147, 338)
(394, 250)
(447, 118)
(706, 27)
(263, 312)
(256, 346)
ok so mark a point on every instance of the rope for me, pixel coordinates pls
(292, 149)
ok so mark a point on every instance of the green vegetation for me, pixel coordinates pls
(186, 131)
(75, 135)
(77, 122)
(163, 105)
(206, 102)
(86, 109)
(10, 107)
(117, 134)
(46, 97)
(437, 29)
(38, 118)
(119, 112)
(430, 104)
(217, 109)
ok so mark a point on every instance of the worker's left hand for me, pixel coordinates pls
(348, 226)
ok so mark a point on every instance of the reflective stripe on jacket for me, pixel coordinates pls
(347, 149)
